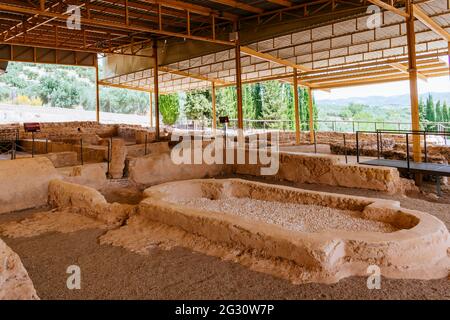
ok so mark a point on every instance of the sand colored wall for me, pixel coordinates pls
(326, 169)
(138, 150)
(88, 201)
(92, 175)
(25, 183)
(62, 159)
(158, 168)
(15, 284)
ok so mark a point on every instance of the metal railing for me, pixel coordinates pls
(407, 133)
(319, 125)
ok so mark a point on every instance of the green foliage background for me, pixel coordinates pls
(71, 87)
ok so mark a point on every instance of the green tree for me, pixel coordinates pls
(198, 105)
(169, 107)
(422, 111)
(257, 98)
(439, 113)
(445, 112)
(430, 111)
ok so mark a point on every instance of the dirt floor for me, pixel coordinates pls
(115, 273)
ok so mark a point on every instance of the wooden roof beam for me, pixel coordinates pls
(191, 75)
(389, 7)
(110, 25)
(283, 3)
(270, 58)
(430, 23)
(404, 69)
(239, 5)
(193, 8)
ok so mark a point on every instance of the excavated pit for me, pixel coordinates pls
(304, 236)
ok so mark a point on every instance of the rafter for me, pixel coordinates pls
(239, 5)
(191, 75)
(430, 23)
(389, 7)
(404, 69)
(113, 26)
(268, 57)
(283, 3)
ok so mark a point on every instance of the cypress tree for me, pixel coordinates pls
(445, 113)
(439, 115)
(430, 112)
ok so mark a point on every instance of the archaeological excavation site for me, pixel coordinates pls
(181, 150)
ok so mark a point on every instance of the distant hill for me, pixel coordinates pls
(381, 101)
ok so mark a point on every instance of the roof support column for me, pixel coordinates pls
(239, 85)
(213, 98)
(156, 86)
(311, 114)
(296, 109)
(151, 108)
(97, 91)
(414, 95)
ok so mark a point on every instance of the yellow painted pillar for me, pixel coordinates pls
(97, 91)
(311, 114)
(414, 95)
(296, 109)
(213, 98)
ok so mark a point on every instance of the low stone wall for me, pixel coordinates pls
(25, 183)
(87, 201)
(158, 168)
(15, 284)
(62, 159)
(326, 169)
(138, 150)
(92, 175)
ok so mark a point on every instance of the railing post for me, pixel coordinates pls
(109, 153)
(425, 146)
(357, 146)
(378, 145)
(345, 149)
(407, 150)
(81, 151)
(32, 144)
(315, 141)
(145, 147)
(13, 145)
(381, 143)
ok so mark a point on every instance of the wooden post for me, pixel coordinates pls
(213, 97)
(296, 108)
(156, 85)
(97, 90)
(311, 115)
(414, 95)
(239, 85)
(151, 109)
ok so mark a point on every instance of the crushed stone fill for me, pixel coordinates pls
(292, 216)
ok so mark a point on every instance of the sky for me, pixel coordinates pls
(441, 84)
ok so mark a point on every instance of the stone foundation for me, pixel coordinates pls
(88, 201)
(15, 284)
(25, 183)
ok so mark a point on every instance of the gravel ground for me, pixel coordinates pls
(109, 272)
(292, 216)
